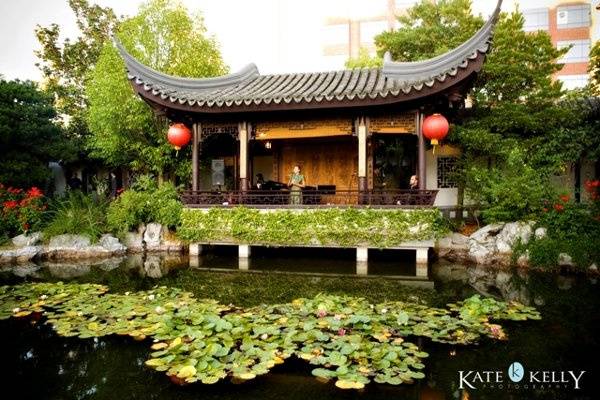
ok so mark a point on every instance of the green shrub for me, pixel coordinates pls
(145, 203)
(77, 213)
(572, 228)
(512, 192)
(335, 226)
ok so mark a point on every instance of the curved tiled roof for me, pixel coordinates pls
(247, 90)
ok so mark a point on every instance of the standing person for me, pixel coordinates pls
(296, 184)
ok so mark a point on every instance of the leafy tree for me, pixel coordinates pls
(516, 108)
(364, 60)
(124, 131)
(594, 69)
(429, 29)
(64, 65)
(29, 138)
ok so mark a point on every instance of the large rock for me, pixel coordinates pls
(454, 247)
(134, 241)
(112, 244)
(65, 247)
(480, 254)
(511, 234)
(27, 253)
(487, 233)
(540, 233)
(565, 260)
(24, 240)
(20, 255)
(170, 243)
(69, 242)
(152, 236)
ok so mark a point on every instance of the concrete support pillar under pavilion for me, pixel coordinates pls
(422, 173)
(244, 136)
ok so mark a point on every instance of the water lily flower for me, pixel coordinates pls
(43, 297)
(151, 297)
(264, 336)
(16, 310)
(341, 332)
(159, 310)
(337, 317)
(384, 310)
(321, 313)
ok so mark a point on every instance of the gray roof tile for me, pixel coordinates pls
(247, 87)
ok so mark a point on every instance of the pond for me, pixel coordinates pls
(42, 364)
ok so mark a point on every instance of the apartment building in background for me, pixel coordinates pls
(570, 23)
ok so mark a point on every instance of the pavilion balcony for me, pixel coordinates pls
(311, 198)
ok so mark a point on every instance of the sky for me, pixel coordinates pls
(277, 35)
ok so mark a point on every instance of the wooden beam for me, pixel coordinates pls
(422, 174)
(197, 129)
(362, 154)
(243, 135)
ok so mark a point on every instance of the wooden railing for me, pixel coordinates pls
(310, 198)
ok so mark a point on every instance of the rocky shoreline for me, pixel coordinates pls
(491, 245)
(148, 238)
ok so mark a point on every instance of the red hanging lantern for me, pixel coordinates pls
(179, 135)
(435, 128)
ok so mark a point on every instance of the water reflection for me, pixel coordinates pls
(44, 365)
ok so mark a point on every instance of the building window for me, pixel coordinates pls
(577, 16)
(571, 82)
(536, 20)
(579, 51)
(445, 172)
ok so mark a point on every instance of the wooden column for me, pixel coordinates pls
(243, 135)
(196, 129)
(422, 174)
(362, 155)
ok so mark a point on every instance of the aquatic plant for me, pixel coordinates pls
(332, 226)
(347, 339)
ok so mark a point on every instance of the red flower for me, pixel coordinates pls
(34, 192)
(10, 204)
(14, 190)
(26, 226)
(564, 198)
(559, 207)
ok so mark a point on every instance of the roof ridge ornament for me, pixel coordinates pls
(430, 68)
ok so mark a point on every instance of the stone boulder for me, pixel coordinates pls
(157, 238)
(541, 233)
(134, 241)
(454, 247)
(79, 247)
(69, 242)
(487, 233)
(565, 260)
(112, 244)
(21, 255)
(152, 236)
(511, 234)
(24, 240)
